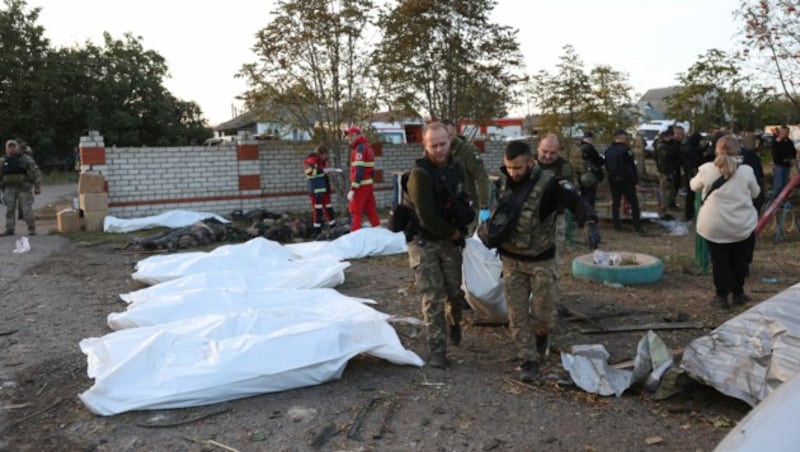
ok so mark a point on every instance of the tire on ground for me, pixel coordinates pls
(648, 271)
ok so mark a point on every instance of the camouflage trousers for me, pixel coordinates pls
(667, 186)
(531, 293)
(437, 274)
(13, 195)
(561, 236)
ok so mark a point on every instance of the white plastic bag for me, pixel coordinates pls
(22, 246)
(482, 283)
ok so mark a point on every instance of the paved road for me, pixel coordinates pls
(43, 244)
(55, 193)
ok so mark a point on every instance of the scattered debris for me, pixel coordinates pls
(652, 440)
(32, 415)
(211, 442)
(647, 326)
(184, 422)
(387, 417)
(327, 432)
(352, 432)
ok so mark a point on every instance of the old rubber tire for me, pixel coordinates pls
(649, 270)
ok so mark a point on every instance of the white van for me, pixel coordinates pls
(650, 131)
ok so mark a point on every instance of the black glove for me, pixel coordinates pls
(592, 235)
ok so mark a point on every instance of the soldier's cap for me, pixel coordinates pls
(620, 132)
(588, 134)
(12, 143)
(352, 131)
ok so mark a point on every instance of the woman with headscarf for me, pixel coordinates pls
(727, 218)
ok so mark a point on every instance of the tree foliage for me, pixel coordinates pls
(447, 59)
(50, 97)
(569, 98)
(312, 68)
(715, 92)
(772, 29)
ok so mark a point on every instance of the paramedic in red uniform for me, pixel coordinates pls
(361, 194)
(319, 187)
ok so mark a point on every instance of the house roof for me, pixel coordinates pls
(250, 118)
(395, 116)
(655, 97)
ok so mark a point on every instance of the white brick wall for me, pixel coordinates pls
(148, 181)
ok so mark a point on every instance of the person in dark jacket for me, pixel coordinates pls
(435, 184)
(592, 171)
(668, 160)
(528, 251)
(691, 154)
(783, 152)
(622, 179)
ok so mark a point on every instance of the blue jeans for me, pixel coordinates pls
(780, 177)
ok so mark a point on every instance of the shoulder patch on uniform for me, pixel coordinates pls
(567, 185)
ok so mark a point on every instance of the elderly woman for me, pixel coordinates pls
(727, 218)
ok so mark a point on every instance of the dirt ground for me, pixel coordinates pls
(63, 290)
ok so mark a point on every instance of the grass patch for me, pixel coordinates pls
(60, 178)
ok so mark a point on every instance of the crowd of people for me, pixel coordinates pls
(526, 220)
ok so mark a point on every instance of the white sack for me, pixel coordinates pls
(771, 425)
(257, 254)
(181, 306)
(750, 355)
(482, 282)
(362, 243)
(312, 274)
(211, 359)
(171, 219)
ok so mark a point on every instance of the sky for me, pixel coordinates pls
(205, 43)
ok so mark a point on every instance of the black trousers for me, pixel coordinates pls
(729, 262)
(621, 187)
(589, 194)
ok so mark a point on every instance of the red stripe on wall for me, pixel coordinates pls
(250, 182)
(247, 152)
(93, 156)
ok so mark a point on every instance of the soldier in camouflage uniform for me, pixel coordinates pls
(476, 180)
(668, 160)
(20, 175)
(434, 251)
(548, 157)
(528, 251)
(639, 155)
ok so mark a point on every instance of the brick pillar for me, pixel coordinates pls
(248, 158)
(93, 152)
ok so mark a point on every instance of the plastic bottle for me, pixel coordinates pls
(769, 280)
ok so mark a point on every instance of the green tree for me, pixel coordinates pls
(564, 96)
(124, 96)
(610, 103)
(50, 97)
(772, 29)
(312, 68)
(714, 92)
(312, 71)
(447, 59)
(23, 74)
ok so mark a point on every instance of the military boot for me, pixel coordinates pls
(543, 345)
(454, 333)
(439, 360)
(529, 371)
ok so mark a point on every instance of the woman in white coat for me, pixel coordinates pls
(727, 219)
